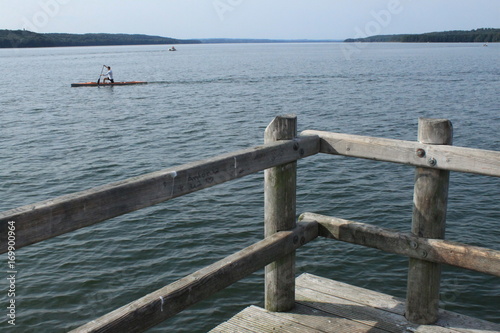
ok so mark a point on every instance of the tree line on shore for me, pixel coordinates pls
(487, 35)
(25, 38)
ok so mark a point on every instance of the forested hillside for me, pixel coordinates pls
(458, 36)
(24, 38)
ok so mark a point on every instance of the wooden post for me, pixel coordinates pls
(279, 215)
(429, 221)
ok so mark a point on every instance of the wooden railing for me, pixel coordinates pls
(433, 161)
(54, 217)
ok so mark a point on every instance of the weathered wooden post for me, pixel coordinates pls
(429, 220)
(279, 215)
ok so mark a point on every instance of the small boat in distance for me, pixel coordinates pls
(96, 84)
(172, 48)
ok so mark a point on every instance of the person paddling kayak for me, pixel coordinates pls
(109, 75)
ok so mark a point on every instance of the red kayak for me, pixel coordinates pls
(95, 84)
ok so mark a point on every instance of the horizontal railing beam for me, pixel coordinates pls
(435, 250)
(47, 219)
(164, 303)
(452, 158)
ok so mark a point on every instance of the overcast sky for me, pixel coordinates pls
(283, 19)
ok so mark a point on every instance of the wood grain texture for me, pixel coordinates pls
(279, 215)
(451, 158)
(328, 306)
(430, 202)
(164, 303)
(47, 219)
(384, 311)
(475, 258)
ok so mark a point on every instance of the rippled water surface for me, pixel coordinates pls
(206, 100)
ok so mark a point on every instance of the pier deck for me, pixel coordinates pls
(324, 305)
(318, 304)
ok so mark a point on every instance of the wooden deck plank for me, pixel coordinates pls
(466, 324)
(261, 320)
(329, 306)
(453, 322)
(356, 312)
(326, 322)
(302, 317)
(343, 290)
(229, 327)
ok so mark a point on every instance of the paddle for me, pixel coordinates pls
(99, 79)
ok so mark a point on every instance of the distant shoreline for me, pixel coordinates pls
(265, 41)
(485, 35)
(29, 39)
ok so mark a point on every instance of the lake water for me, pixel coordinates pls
(204, 100)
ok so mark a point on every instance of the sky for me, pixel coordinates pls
(268, 19)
